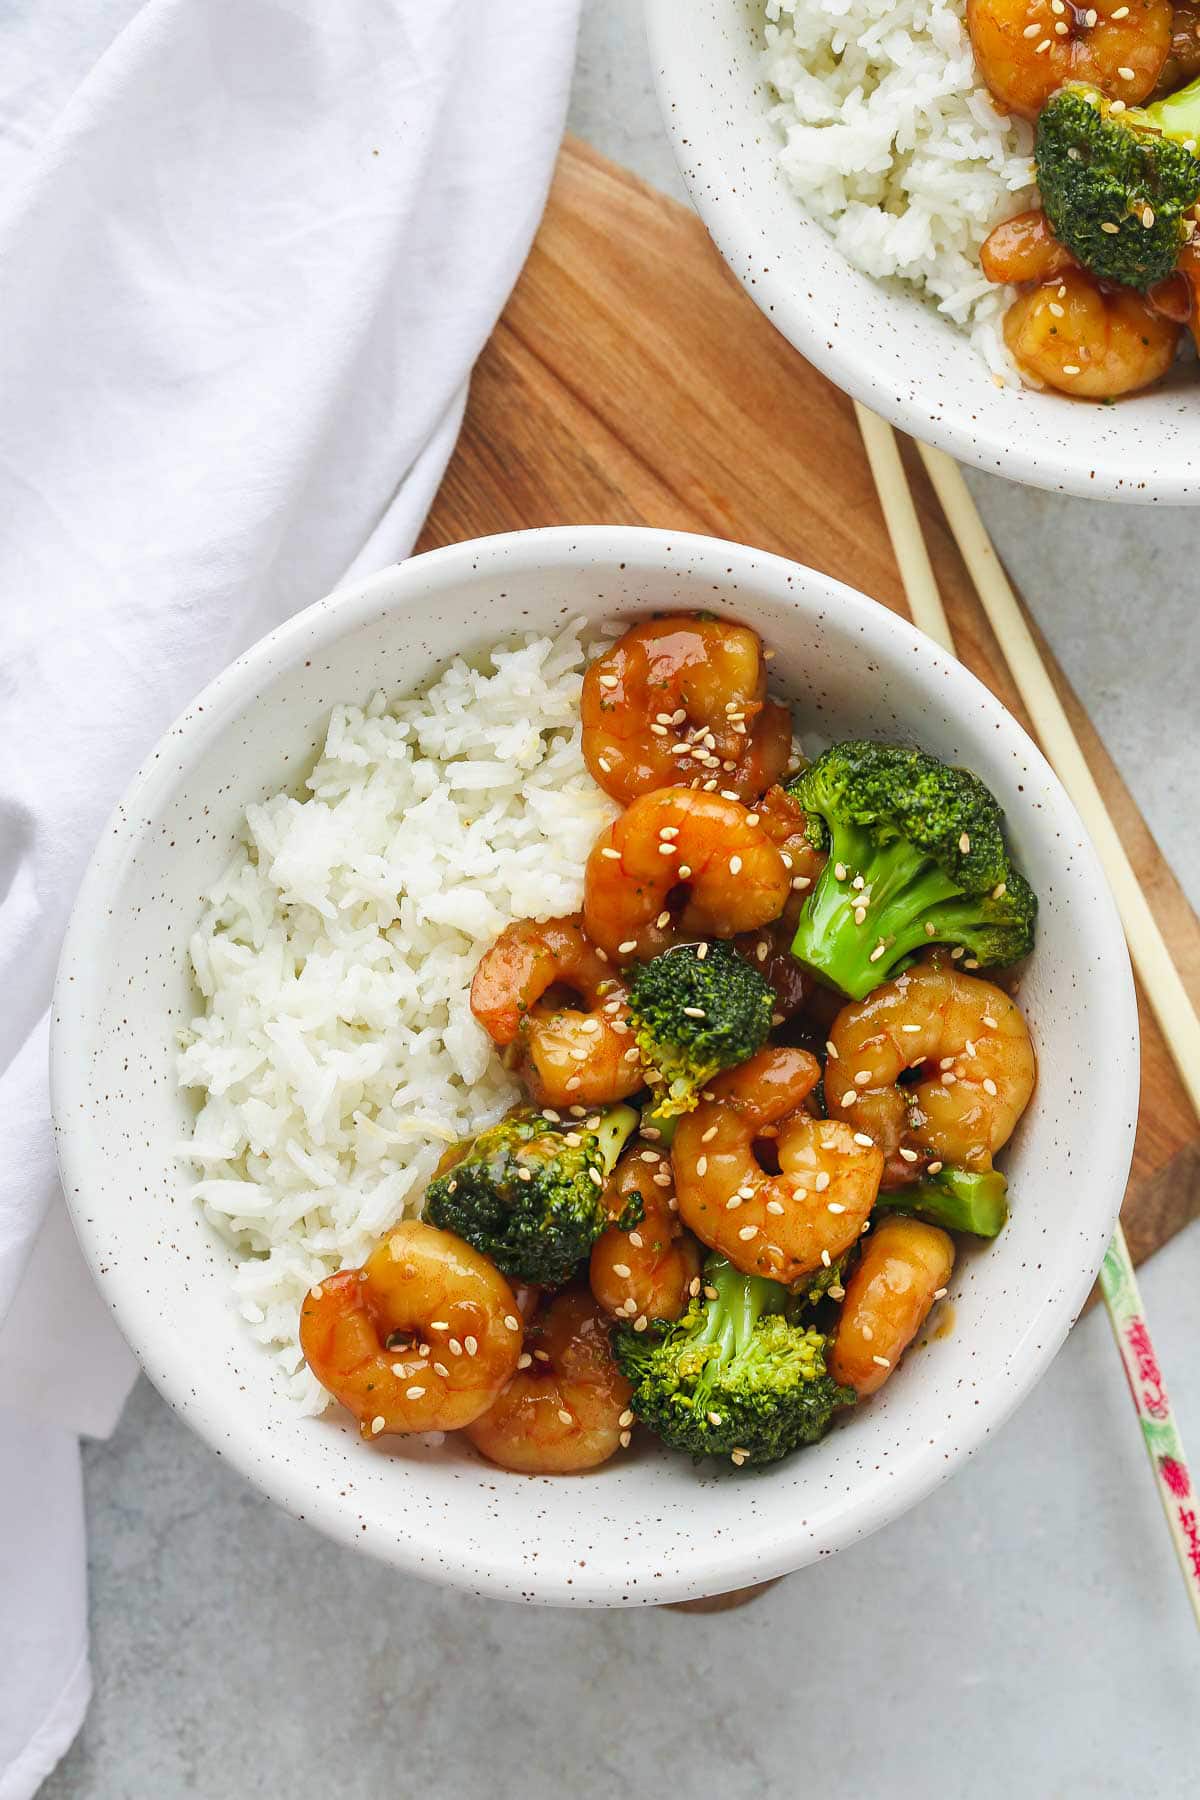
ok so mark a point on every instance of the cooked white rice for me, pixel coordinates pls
(336, 1050)
(891, 140)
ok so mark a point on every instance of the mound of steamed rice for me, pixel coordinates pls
(336, 1052)
(891, 140)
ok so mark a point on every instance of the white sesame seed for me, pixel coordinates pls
(438, 1325)
(623, 1270)
(849, 1097)
(799, 884)
(839, 870)
(877, 952)
(566, 1417)
(683, 871)
(836, 1291)
(908, 1156)
(733, 1202)
(835, 1206)
(609, 681)
(1126, 74)
(662, 1179)
(949, 1078)
(632, 1054)
(747, 1232)
(316, 1292)
(706, 1137)
(1107, 225)
(940, 1293)
(935, 1168)
(652, 1156)
(629, 945)
(641, 1322)
(413, 1393)
(513, 1323)
(702, 1165)
(868, 1333)
(694, 1012)
(774, 1206)
(862, 1077)
(663, 920)
(1068, 369)
(989, 1086)
(822, 1181)
(439, 1368)
(454, 1347)
(694, 1287)
(882, 1361)
(868, 1143)
(1042, 47)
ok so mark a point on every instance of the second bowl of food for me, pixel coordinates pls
(546, 1065)
(874, 176)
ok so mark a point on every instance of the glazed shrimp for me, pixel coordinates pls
(683, 699)
(1027, 49)
(1183, 58)
(770, 947)
(1080, 337)
(680, 863)
(784, 1225)
(650, 1268)
(567, 1407)
(422, 1338)
(524, 994)
(1024, 248)
(904, 1268)
(975, 1060)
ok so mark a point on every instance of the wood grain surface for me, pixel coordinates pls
(631, 381)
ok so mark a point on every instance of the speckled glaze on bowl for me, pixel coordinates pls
(882, 344)
(648, 1527)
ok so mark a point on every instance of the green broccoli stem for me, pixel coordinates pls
(742, 1300)
(1176, 115)
(955, 1199)
(615, 1129)
(903, 888)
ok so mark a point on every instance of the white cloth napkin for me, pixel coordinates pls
(249, 250)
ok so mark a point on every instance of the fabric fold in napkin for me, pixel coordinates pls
(249, 251)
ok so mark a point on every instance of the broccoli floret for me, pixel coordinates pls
(925, 842)
(732, 1378)
(955, 1199)
(696, 1009)
(1117, 185)
(813, 1288)
(526, 1197)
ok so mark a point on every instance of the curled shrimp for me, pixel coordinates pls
(783, 1225)
(650, 1267)
(682, 699)
(680, 863)
(1080, 336)
(567, 1407)
(1024, 248)
(904, 1268)
(1183, 58)
(547, 991)
(1027, 49)
(967, 1044)
(770, 947)
(422, 1338)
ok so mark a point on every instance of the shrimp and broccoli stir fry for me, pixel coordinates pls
(768, 1067)
(1105, 268)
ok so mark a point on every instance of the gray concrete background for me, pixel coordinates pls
(1022, 1631)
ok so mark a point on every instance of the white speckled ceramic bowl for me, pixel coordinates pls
(883, 345)
(648, 1527)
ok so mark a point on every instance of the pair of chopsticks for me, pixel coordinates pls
(1168, 998)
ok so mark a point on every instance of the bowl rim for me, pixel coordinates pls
(79, 995)
(963, 435)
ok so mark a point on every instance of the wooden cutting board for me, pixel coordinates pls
(631, 381)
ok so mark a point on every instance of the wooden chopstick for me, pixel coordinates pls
(1165, 991)
(1169, 999)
